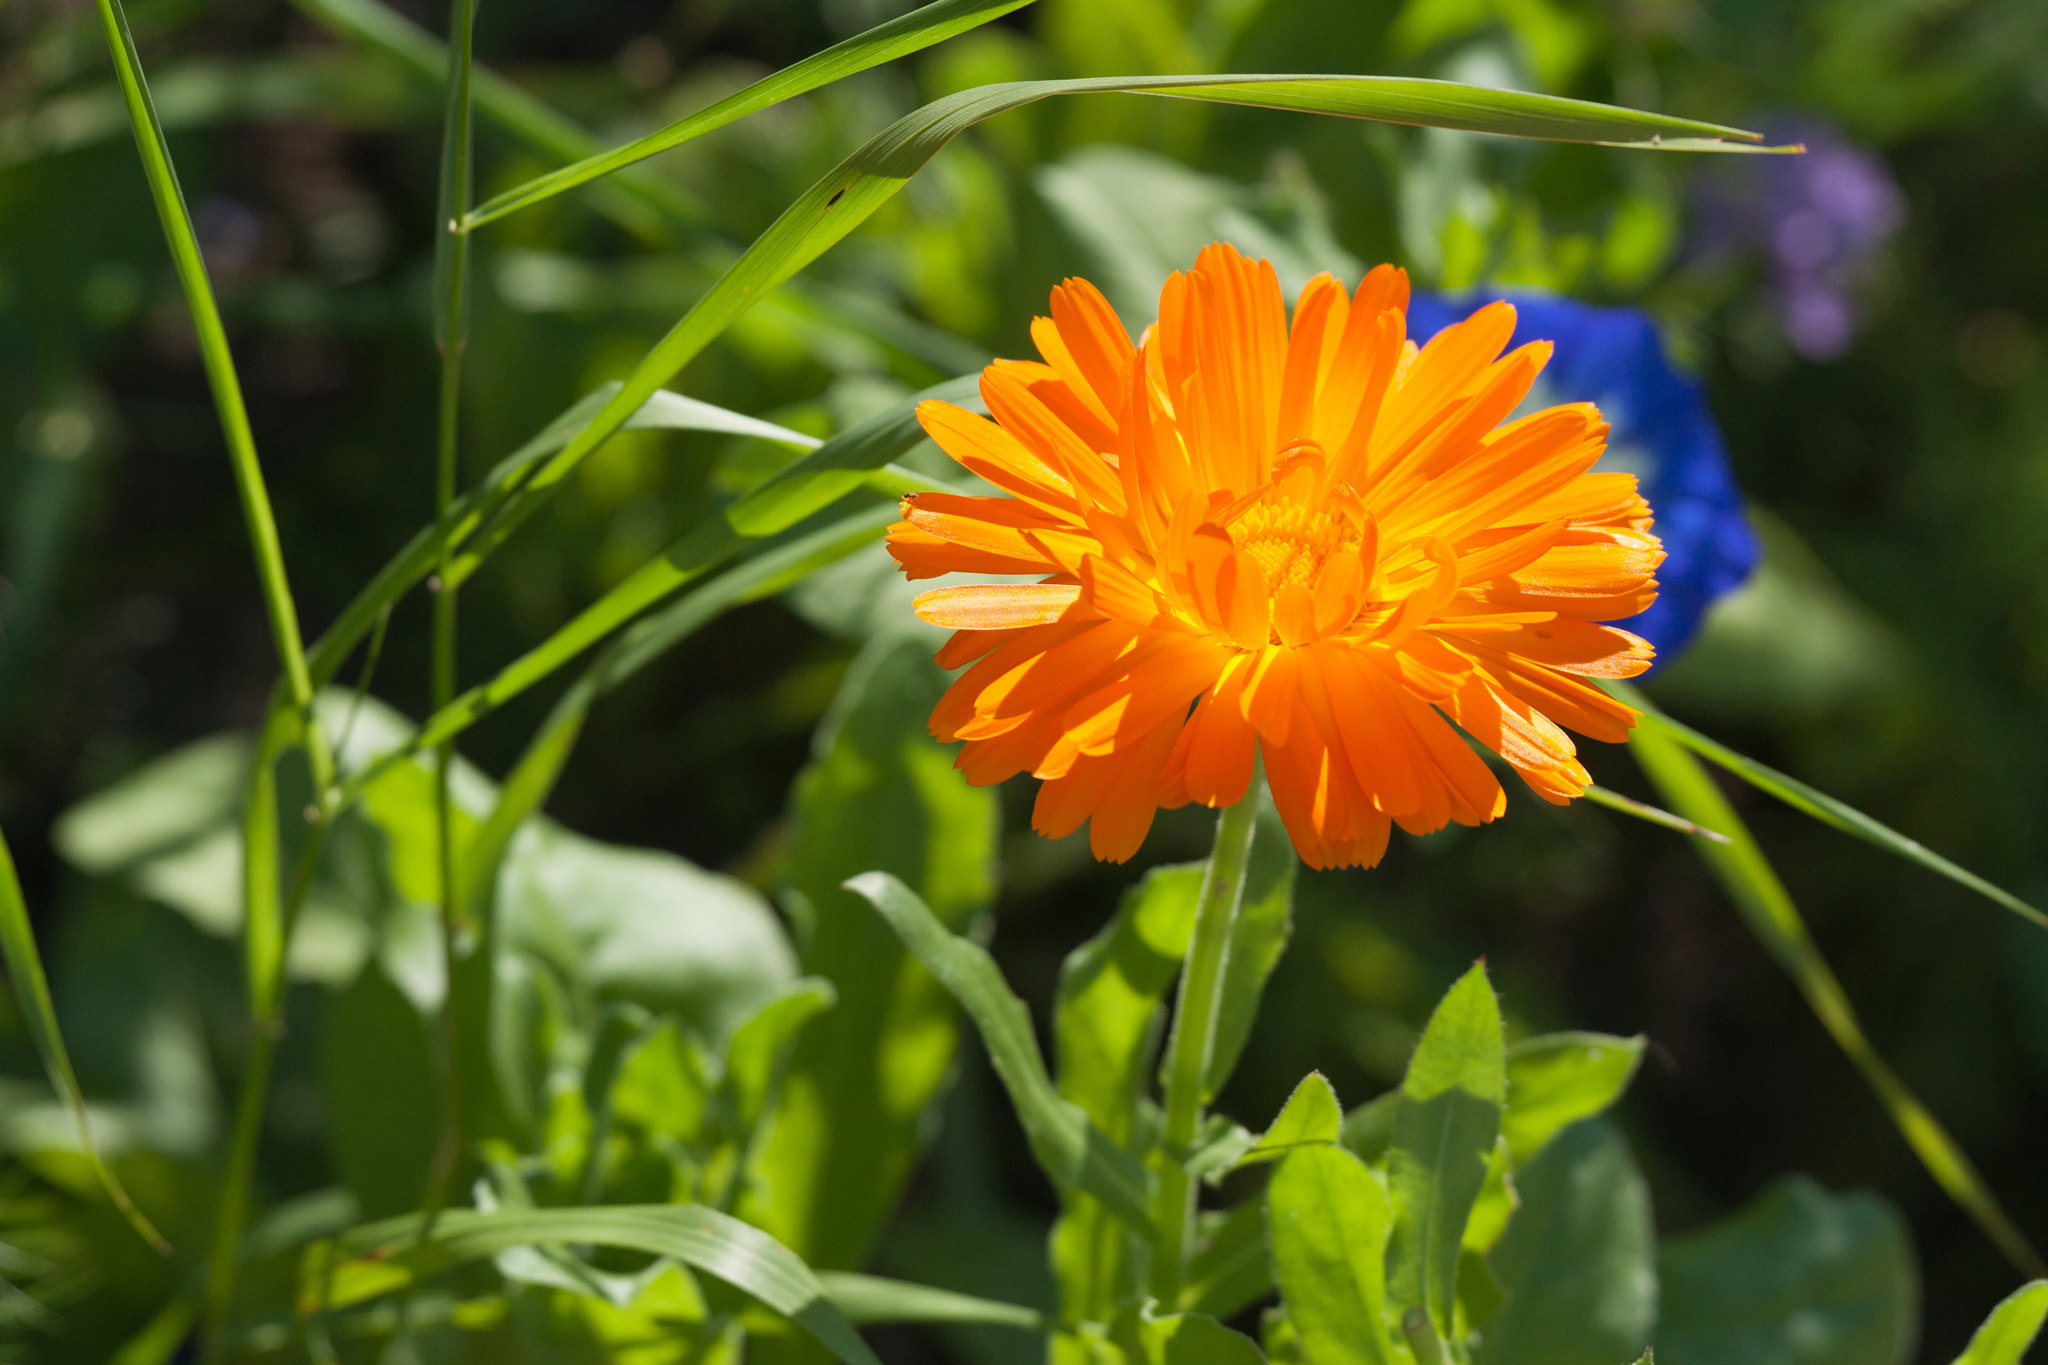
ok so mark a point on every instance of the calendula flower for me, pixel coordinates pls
(1309, 539)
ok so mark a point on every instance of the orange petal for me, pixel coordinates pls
(997, 606)
(986, 449)
(1221, 744)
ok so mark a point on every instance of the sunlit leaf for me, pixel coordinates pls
(2011, 1328)
(1310, 1118)
(1329, 1221)
(1556, 1079)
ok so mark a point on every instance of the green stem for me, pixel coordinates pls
(190, 266)
(1189, 1050)
(451, 333)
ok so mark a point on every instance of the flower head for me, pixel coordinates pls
(1305, 538)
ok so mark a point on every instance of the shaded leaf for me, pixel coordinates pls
(1799, 1277)
(1230, 1269)
(382, 1092)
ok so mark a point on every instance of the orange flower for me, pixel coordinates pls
(1315, 540)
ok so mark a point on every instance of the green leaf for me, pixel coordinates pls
(1768, 908)
(32, 999)
(1230, 1269)
(1444, 1131)
(899, 37)
(1072, 1150)
(1559, 1078)
(382, 1093)
(1799, 1276)
(1310, 1118)
(870, 1298)
(402, 1251)
(1182, 1339)
(1819, 805)
(1577, 1266)
(2011, 1328)
(1106, 1018)
(638, 925)
(1369, 1129)
(878, 793)
(161, 806)
(1328, 1222)
(760, 1048)
(1265, 920)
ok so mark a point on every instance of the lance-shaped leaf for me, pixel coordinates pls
(1073, 1151)
(1328, 1222)
(1557, 1079)
(1310, 1118)
(401, 1251)
(1444, 1130)
(2011, 1328)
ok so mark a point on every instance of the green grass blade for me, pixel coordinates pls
(1073, 1151)
(32, 995)
(912, 32)
(1628, 805)
(873, 174)
(1823, 807)
(190, 265)
(870, 1298)
(404, 1250)
(1768, 908)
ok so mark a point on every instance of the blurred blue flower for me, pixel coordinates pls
(1662, 433)
(1818, 220)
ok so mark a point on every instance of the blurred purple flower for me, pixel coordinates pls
(1818, 219)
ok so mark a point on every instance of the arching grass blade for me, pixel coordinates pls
(1768, 908)
(1821, 806)
(32, 998)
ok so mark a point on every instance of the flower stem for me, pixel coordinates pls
(1193, 1043)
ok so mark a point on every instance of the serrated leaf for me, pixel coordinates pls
(1328, 1222)
(1559, 1078)
(1071, 1149)
(1310, 1118)
(2011, 1328)
(1445, 1126)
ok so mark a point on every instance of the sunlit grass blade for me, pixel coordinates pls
(1823, 807)
(899, 37)
(190, 265)
(401, 1251)
(1075, 1153)
(872, 1299)
(1768, 908)
(873, 174)
(32, 999)
(1628, 805)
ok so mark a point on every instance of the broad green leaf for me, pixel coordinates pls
(382, 1093)
(32, 1001)
(1230, 1269)
(1577, 1267)
(643, 926)
(760, 1048)
(1559, 1078)
(1328, 1222)
(179, 798)
(1182, 1339)
(402, 1251)
(1444, 1131)
(663, 1088)
(1753, 884)
(1799, 1277)
(909, 33)
(2011, 1328)
(1310, 1118)
(878, 793)
(870, 1298)
(1265, 920)
(1369, 1129)
(1072, 1150)
(1820, 805)
(1106, 1019)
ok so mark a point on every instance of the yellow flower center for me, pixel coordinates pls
(1290, 541)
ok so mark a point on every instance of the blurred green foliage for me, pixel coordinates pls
(1890, 650)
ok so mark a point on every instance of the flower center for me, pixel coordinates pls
(1292, 541)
